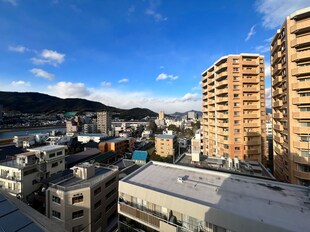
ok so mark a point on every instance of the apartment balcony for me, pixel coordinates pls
(221, 99)
(210, 81)
(219, 115)
(252, 152)
(211, 102)
(301, 130)
(222, 74)
(278, 139)
(300, 41)
(251, 98)
(301, 115)
(223, 125)
(250, 89)
(301, 100)
(301, 85)
(250, 116)
(278, 115)
(221, 91)
(250, 62)
(276, 56)
(277, 80)
(277, 68)
(302, 175)
(276, 46)
(250, 125)
(250, 80)
(251, 134)
(11, 190)
(219, 107)
(301, 70)
(277, 150)
(11, 178)
(250, 71)
(278, 127)
(299, 26)
(304, 55)
(277, 92)
(225, 133)
(251, 107)
(221, 66)
(301, 145)
(301, 160)
(278, 103)
(221, 84)
(253, 142)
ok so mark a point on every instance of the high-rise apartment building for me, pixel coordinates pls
(166, 197)
(161, 115)
(104, 121)
(290, 71)
(234, 108)
(85, 200)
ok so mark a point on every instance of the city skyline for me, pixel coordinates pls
(146, 54)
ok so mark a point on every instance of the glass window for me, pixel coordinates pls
(77, 199)
(77, 214)
(56, 214)
(56, 199)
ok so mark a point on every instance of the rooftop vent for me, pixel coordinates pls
(181, 179)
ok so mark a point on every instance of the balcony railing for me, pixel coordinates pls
(8, 177)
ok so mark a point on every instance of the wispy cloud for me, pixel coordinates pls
(275, 11)
(49, 57)
(105, 84)
(18, 48)
(69, 90)
(41, 73)
(131, 10)
(164, 76)
(197, 87)
(152, 11)
(124, 80)
(12, 2)
(250, 33)
(262, 48)
(20, 83)
(267, 69)
(268, 97)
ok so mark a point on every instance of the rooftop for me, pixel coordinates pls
(94, 135)
(161, 136)
(15, 215)
(114, 140)
(48, 148)
(140, 155)
(249, 197)
(70, 182)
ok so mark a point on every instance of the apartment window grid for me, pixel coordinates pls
(77, 199)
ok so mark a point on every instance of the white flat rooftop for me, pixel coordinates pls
(47, 148)
(271, 202)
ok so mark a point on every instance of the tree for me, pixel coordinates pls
(173, 127)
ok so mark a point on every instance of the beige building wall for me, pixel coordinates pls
(97, 204)
(165, 146)
(290, 71)
(104, 122)
(161, 115)
(234, 111)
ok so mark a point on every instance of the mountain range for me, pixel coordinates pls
(31, 102)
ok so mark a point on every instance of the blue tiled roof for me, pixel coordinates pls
(140, 155)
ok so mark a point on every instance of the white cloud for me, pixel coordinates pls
(69, 90)
(198, 87)
(105, 84)
(262, 48)
(18, 48)
(49, 57)
(190, 97)
(41, 73)
(20, 83)
(164, 76)
(124, 80)
(275, 11)
(12, 2)
(267, 70)
(152, 11)
(268, 97)
(250, 33)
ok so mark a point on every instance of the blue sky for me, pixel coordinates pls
(130, 53)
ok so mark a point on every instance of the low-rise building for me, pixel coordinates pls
(19, 139)
(166, 197)
(165, 145)
(85, 200)
(140, 157)
(85, 138)
(117, 145)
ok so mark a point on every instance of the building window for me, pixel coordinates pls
(77, 214)
(237, 148)
(98, 217)
(110, 182)
(109, 206)
(110, 193)
(236, 95)
(56, 199)
(235, 61)
(59, 153)
(97, 204)
(54, 164)
(97, 191)
(56, 214)
(77, 228)
(51, 155)
(77, 199)
(235, 69)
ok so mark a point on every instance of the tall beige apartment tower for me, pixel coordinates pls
(104, 121)
(290, 71)
(161, 115)
(234, 108)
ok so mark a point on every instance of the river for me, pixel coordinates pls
(11, 134)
